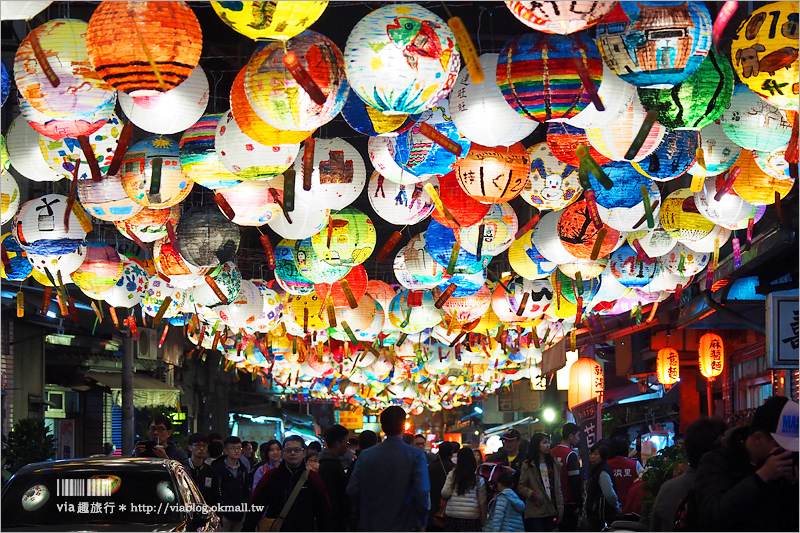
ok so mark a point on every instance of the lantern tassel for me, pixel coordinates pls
(331, 312)
(591, 206)
(749, 241)
(587, 161)
(737, 253)
(270, 253)
(97, 313)
(414, 299)
(288, 194)
(528, 226)
(72, 193)
(778, 207)
(648, 210)
(162, 309)
(303, 78)
(308, 162)
(224, 206)
(437, 202)
(20, 304)
(451, 265)
(640, 253)
(467, 48)
(163, 335)
(442, 299)
(348, 293)
(217, 291)
(122, 147)
(699, 177)
(641, 136)
(586, 80)
(41, 58)
(522, 304)
(5, 259)
(173, 237)
(114, 319)
(726, 186)
(598, 243)
(481, 232)
(439, 138)
(644, 217)
(88, 152)
(149, 56)
(47, 297)
(389, 246)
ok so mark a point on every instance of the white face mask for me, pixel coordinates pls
(454, 458)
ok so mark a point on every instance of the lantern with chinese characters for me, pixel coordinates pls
(124, 37)
(339, 174)
(106, 199)
(249, 159)
(156, 294)
(526, 260)
(500, 226)
(718, 235)
(277, 97)
(655, 44)
(629, 269)
(754, 124)
(756, 186)
(130, 288)
(62, 155)
(537, 76)
(39, 226)
(719, 151)
(684, 261)
(367, 120)
(419, 155)
(613, 140)
(578, 234)
(585, 381)
(199, 159)
(556, 17)
(80, 91)
(400, 204)
(711, 353)
(622, 207)
(206, 237)
(9, 197)
(766, 59)
(471, 104)
(563, 139)
(667, 366)
(286, 271)
(493, 175)
(673, 158)
(169, 112)
(22, 142)
(269, 20)
(19, 268)
(552, 184)
(616, 95)
(464, 208)
(352, 238)
(152, 175)
(252, 203)
(149, 224)
(698, 100)
(401, 58)
(356, 280)
(681, 218)
(101, 269)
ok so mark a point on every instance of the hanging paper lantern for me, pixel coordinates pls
(419, 264)
(310, 265)
(56, 266)
(548, 243)
(664, 282)
(361, 321)
(413, 319)
(228, 280)
(610, 289)
(367, 120)
(244, 309)
(508, 305)
(339, 174)
(169, 112)
(9, 197)
(756, 186)
(169, 262)
(563, 139)
(728, 211)
(552, 184)
(587, 268)
(39, 227)
(19, 268)
(578, 234)
(464, 208)
(356, 279)
(401, 58)
(681, 218)
(419, 155)
(4, 162)
(23, 10)
(537, 76)
(247, 158)
(526, 260)
(149, 224)
(698, 100)
(622, 206)
(61, 155)
(206, 237)
(286, 271)
(629, 270)
(766, 59)
(352, 240)
(129, 290)
(381, 291)
(306, 221)
(382, 153)
(493, 175)
(499, 229)
(773, 163)
(614, 140)
(24, 154)
(693, 262)
(309, 305)
(5, 88)
(80, 91)
(123, 38)
(563, 19)
(655, 242)
(152, 175)
(616, 95)
(655, 44)
(251, 202)
(199, 159)
(480, 111)
(585, 382)
(719, 151)
(106, 199)
(753, 124)
(277, 97)
(271, 311)
(717, 235)
(466, 284)
(673, 158)
(101, 269)
(711, 352)
(397, 204)
(269, 20)
(69, 126)
(469, 308)
(156, 294)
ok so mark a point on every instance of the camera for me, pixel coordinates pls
(149, 445)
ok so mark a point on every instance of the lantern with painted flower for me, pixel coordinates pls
(614, 140)
(62, 155)
(39, 226)
(563, 19)
(754, 124)
(526, 74)
(585, 381)
(156, 295)
(269, 20)
(493, 175)
(100, 270)
(552, 184)
(149, 225)
(124, 37)
(152, 175)
(352, 239)
(401, 58)
(199, 159)
(419, 155)
(206, 237)
(711, 352)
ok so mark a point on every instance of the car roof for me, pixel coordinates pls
(138, 464)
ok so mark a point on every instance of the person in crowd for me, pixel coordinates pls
(312, 460)
(310, 510)
(215, 450)
(349, 456)
(505, 510)
(478, 455)
(437, 473)
(602, 503)
(233, 483)
(247, 453)
(390, 481)
(420, 442)
(271, 453)
(540, 486)
(750, 483)
(205, 477)
(571, 477)
(624, 469)
(465, 493)
(159, 430)
(701, 436)
(334, 476)
(366, 439)
(510, 454)
(313, 446)
(408, 438)
(633, 501)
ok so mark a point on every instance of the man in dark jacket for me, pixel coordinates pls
(437, 472)
(334, 476)
(205, 477)
(159, 430)
(511, 454)
(233, 483)
(750, 483)
(310, 511)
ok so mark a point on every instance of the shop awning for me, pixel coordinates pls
(147, 391)
(496, 430)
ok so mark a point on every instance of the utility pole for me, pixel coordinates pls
(128, 423)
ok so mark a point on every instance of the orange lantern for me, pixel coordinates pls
(585, 381)
(667, 366)
(712, 355)
(493, 175)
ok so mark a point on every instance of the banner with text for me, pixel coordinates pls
(588, 416)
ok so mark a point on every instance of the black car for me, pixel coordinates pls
(105, 494)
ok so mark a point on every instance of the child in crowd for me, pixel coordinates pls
(505, 511)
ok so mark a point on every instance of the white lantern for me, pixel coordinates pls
(39, 226)
(610, 289)
(693, 262)
(245, 309)
(431, 277)
(382, 151)
(481, 113)
(252, 202)
(613, 140)
(547, 241)
(306, 222)
(706, 244)
(62, 155)
(729, 211)
(339, 174)
(25, 10)
(398, 204)
(420, 265)
(62, 265)
(156, 294)
(720, 153)
(500, 226)
(754, 124)
(130, 289)
(9, 197)
(24, 153)
(617, 96)
(228, 279)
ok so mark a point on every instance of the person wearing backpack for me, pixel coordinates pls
(465, 493)
(676, 496)
(505, 511)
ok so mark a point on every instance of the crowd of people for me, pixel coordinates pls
(738, 479)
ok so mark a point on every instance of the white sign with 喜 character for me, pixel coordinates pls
(782, 327)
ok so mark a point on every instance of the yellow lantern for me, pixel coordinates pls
(712, 355)
(585, 381)
(667, 366)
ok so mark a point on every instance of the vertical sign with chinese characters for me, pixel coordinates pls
(782, 325)
(588, 416)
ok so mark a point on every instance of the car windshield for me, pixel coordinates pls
(80, 497)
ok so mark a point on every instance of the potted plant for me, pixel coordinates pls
(30, 441)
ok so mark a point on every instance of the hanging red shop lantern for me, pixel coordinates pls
(585, 381)
(667, 366)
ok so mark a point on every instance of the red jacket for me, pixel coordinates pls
(625, 472)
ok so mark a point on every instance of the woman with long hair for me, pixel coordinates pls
(602, 504)
(540, 486)
(465, 492)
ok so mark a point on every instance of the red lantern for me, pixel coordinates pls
(356, 280)
(585, 381)
(667, 366)
(463, 207)
(712, 355)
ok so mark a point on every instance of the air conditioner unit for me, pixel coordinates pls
(55, 405)
(148, 344)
